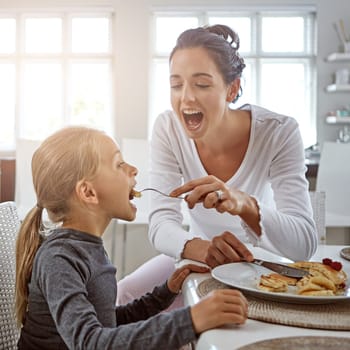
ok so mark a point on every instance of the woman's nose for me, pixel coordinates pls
(187, 94)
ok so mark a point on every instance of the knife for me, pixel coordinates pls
(282, 269)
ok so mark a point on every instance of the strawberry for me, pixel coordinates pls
(336, 265)
(327, 261)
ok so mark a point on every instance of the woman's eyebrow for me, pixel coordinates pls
(195, 75)
(202, 74)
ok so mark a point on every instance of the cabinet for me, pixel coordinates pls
(7, 179)
(333, 88)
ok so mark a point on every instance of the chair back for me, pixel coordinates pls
(333, 178)
(318, 200)
(25, 197)
(9, 226)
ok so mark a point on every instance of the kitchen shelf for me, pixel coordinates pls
(337, 87)
(338, 56)
(331, 119)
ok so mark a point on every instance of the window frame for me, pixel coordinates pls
(66, 57)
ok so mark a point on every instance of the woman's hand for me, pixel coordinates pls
(220, 307)
(226, 248)
(213, 193)
(176, 280)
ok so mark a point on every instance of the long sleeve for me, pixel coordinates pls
(72, 299)
(148, 305)
(272, 171)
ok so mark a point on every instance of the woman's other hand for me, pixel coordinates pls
(226, 248)
(176, 280)
(222, 249)
(220, 307)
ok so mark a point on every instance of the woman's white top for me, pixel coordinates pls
(272, 171)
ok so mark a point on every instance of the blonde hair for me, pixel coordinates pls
(66, 157)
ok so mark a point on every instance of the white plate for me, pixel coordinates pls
(345, 253)
(245, 277)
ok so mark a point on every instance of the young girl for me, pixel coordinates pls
(66, 287)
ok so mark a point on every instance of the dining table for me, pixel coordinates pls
(277, 324)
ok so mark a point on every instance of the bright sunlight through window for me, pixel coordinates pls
(57, 69)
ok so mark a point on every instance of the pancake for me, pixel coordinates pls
(289, 280)
(312, 285)
(317, 268)
(271, 284)
(136, 194)
(318, 293)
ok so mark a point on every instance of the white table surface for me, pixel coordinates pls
(233, 337)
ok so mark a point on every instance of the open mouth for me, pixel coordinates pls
(134, 194)
(193, 119)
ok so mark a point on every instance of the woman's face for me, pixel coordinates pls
(114, 182)
(199, 95)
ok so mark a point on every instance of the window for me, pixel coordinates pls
(279, 73)
(56, 70)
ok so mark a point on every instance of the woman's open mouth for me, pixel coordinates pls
(193, 119)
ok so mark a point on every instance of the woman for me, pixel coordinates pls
(243, 169)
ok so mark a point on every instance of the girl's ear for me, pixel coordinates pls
(86, 192)
(233, 90)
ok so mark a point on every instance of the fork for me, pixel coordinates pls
(160, 192)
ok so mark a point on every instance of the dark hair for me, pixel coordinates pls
(221, 43)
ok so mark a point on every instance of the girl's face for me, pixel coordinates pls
(114, 183)
(199, 95)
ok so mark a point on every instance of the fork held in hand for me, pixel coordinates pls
(160, 192)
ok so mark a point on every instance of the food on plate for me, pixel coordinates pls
(291, 281)
(326, 278)
(315, 285)
(271, 284)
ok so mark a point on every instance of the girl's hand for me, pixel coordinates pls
(176, 280)
(220, 307)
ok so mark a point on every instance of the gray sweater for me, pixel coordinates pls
(72, 297)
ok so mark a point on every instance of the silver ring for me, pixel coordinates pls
(219, 193)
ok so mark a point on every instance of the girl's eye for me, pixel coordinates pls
(120, 164)
(175, 86)
(203, 86)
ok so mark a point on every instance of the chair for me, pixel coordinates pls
(333, 178)
(319, 214)
(25, 197)
(9, 226)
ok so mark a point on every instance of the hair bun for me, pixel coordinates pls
(227, 33)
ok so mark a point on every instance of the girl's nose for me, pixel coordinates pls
(134, 170)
